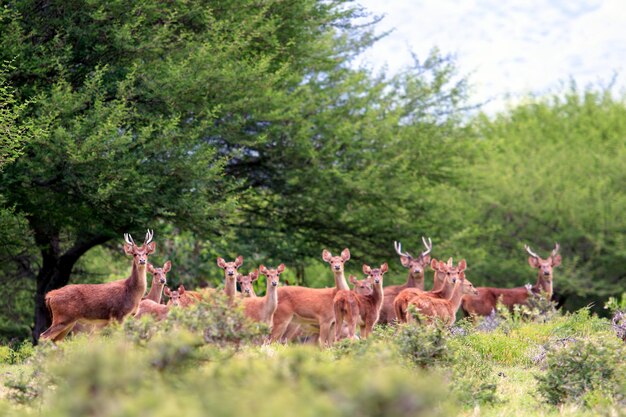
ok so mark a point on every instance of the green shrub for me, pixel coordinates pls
(473, 378)
(17, 354)
(579, 370)
(421, 345)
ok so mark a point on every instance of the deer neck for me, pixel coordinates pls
(378, 294)
(230, 286)
(156, 289)
(340, 280)
(456, 297)
(544, 283)
(137, 280)
(446, 289)
(440, 284)
(271, 298)
(415, 280)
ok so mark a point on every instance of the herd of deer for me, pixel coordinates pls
(294, 310)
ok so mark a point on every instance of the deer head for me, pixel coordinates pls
(453, 273)
(362, 287)
(336, 262)
(441, 273)
(417, 265)
(139, 253)
(375, 275)
(544, 267)
(159, 275)
(174, 296)
(245, 281)
(467, 288)
(272, 274)
(230, 268)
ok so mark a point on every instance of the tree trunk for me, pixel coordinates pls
(55, 271)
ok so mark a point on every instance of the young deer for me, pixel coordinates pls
(100, 303)
(245, 282)
(444, 308)
(181, 297)
(151, 304)
(311, 305)
(262, 308)
(230, 275)
(443, 285)
(362, 305)
(415, 278)
(487, 298)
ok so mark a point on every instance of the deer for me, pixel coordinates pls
(245, 282)
(100, 303)
(151, 303)
(311, 305)
(444, 309)
(182, 297)
(415, 278)
(230, 276)
(486, 300)
(262, 309)
(444, 279)
(362, 305)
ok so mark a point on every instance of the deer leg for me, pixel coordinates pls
(279, 328)
(55, 330)
(338, 323)
(325, 336)
(64, 333)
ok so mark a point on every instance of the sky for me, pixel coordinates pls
(508, 48)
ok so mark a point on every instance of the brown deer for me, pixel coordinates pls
(100, 303)
(486, 300)
(230, 275)
(245, 282)
(262, 308)
(444, 280)
(311, 305)
(444, 309)
(362, 305)
(151, 303)
(183, 297)
(415, 278)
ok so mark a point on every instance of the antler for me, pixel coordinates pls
(429, 247)
(555, 250)
(149, 236)
(129, 239)
(533, 254)
(398, 247)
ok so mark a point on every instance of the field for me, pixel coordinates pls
(209, 360)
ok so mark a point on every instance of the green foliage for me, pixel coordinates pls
(581, 370)
(423, 346)
(614, 305)
(473, 378)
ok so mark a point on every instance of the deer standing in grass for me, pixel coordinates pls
(361, 305)
(415, 279)
(245, 282)
(230, 276)
(486, 300)
(100, 303)
(311, 305)
(262, 308)
(442, 288)
(151, 304)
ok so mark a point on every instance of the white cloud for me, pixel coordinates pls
(513, 47)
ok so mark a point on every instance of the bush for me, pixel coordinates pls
(473, 378)
(578, 371)
(421, 345)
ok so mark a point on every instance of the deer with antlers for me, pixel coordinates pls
(485, 301)
(308, 306)
(444, 280)
(100, 303)
(361, 305)
(151, 303)
(445, 309)
(415, 278)
(262, 308)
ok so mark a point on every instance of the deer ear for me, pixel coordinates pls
(462, 265)
(239, 277)
(442, 266)
(326, 255)
(167, 266)
(405, 261)
(263, 269)
(151, 247)
(384, 267)
(533, 262)
(128, 249)
(150, 268)
(254, 274)
(181, 289)
(345, 254)
(366, 269)
(239, 261)
(352, 279)
(221, 263)
(462, 275)
(167, 291)
(434, 264)
(556, 260)
(280, 268)
(426, 259)
(450, 262)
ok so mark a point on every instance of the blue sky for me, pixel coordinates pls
(511, 47)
